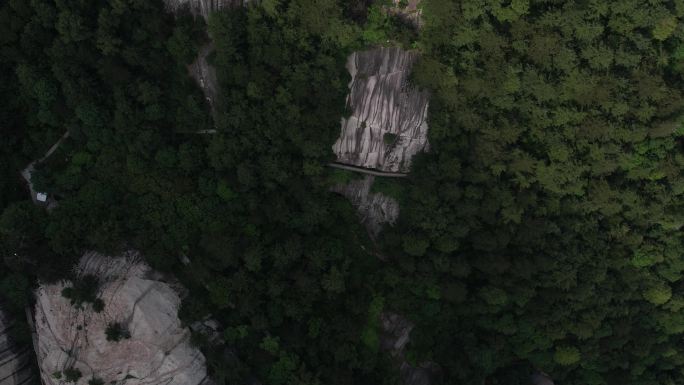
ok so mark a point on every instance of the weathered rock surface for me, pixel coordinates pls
(158, 350)
(541, 378)
(15, 361)
(375, 209)
(396, 333)
(28, 172)
(201, 7)
(388, 122)
(205, 75)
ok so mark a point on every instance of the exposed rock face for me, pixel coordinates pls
(201, 7)
(375, 209)
(388, 124)
(158, 350)
(396, 333)
(15, 361)
(200, 70)
(205, 75)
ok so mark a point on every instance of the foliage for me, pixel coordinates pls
(547, 211)
(566, 356)
(542, 230)
(384, 26)
(391, 187)
(72, 374)
(389, 138)
(84, 290)
(369, 335)
(116, 331)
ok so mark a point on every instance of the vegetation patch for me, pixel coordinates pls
(84, 290)
(116, 331)
(72, 374)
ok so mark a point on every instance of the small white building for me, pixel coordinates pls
(41, 197)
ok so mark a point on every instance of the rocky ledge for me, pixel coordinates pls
(151, 347)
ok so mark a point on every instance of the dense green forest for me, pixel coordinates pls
(541, 232)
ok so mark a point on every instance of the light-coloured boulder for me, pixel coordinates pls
(375, 209)
(388, 122)
(158, 350)
(15, 361)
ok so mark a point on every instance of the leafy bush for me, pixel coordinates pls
(566, 356)
(117, 332)
(83, 290)
(389, 138)
(72, 374)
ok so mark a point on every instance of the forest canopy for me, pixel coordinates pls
(541, 232)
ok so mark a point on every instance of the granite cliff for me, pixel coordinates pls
(386, 128)
(388, 122)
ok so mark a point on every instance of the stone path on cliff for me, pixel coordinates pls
(367, 171)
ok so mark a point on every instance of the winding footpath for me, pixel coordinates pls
(26, 173)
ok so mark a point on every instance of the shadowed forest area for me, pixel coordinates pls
(541, 232)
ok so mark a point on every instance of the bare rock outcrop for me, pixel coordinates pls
(541, 378)
(15, 361)
(157, 349)
(396, 333)
(201, 7)
(388, 122)
(375, 209)
(205, 75)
